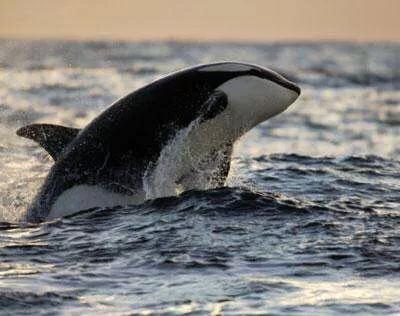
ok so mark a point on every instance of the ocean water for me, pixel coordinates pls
(308, 223)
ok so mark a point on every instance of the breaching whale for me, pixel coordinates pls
(116, 158)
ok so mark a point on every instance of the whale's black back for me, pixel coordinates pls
(136, 127)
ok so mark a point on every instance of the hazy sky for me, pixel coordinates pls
(251, 20)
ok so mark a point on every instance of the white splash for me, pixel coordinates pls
(160, 179)
(182, 167)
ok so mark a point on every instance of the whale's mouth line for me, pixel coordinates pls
(280, 80)
(288, 84)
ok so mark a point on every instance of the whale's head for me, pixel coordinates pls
(254, 93)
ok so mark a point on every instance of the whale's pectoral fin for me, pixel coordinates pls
(53, 138)
(214, 105)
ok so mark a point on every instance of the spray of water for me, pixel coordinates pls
(161, 177)
(181, 168)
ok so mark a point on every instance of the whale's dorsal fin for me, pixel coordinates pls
(53, 138)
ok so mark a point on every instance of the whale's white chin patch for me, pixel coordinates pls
(83, 197)
(254, 100)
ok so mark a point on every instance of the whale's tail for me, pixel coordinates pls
(53, 138)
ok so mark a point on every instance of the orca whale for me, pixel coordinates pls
(172, 135)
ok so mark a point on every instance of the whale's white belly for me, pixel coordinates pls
(83, 197)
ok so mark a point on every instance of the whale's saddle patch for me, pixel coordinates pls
(53, 138)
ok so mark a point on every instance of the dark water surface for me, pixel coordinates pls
(309, 222)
